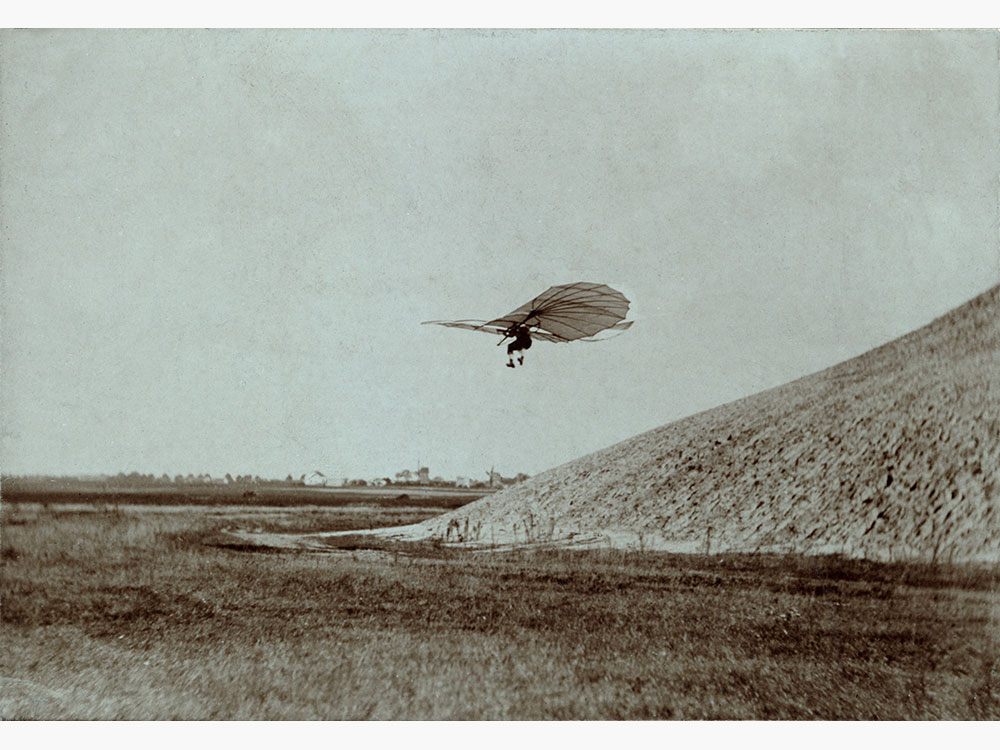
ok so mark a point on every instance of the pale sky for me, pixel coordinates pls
(217, 247)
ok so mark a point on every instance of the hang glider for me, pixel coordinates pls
(570, 312)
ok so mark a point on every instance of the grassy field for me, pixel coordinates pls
(147, 613)
(291, 496)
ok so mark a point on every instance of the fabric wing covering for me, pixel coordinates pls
(569, 312)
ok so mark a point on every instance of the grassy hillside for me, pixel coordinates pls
(892, 455)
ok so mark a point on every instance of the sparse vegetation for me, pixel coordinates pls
(144, 614)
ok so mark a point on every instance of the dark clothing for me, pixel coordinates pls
(522, 340)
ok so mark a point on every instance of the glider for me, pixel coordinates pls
(569, 312)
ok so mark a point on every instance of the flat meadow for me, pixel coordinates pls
(156, 612)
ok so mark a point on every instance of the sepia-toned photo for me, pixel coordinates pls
(499, 375)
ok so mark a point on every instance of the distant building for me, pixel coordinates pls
(496, 480)
(424, 475)
(463, 482)
(315, 479)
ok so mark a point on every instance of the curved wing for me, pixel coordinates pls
(475, 325)
(467, 325)
(618, 327)
(569, 312)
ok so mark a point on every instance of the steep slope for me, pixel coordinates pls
(893, 454)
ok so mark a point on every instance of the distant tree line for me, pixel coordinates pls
(135, 479)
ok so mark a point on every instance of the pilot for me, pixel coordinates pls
(521, 343)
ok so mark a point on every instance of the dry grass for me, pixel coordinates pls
(119, 615)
